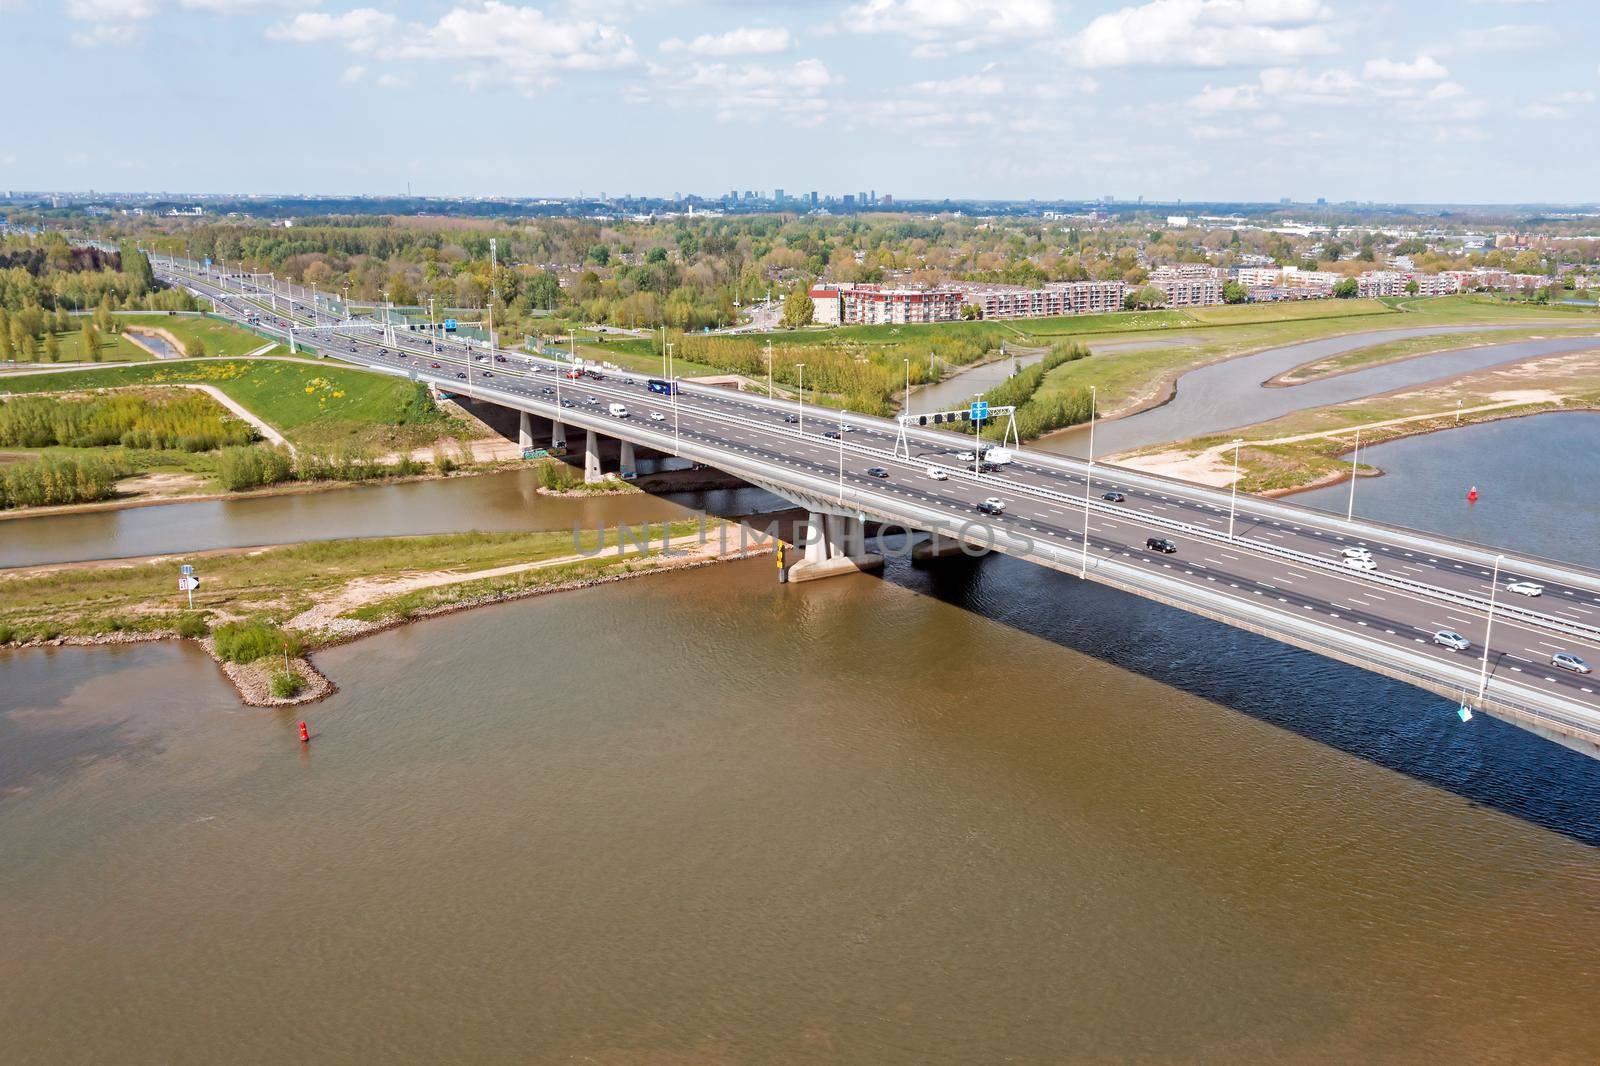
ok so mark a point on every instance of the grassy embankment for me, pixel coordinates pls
(1308, 448)
(272, 587)
(1131, 378)
(341, 419)
(219, 339)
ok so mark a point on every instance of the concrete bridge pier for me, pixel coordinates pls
(942, 547)
(833, 544)
(558, 437)
(591, 458)
(525, 431)
(627, 468)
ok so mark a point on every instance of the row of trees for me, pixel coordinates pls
(185, 421)
(55, 480)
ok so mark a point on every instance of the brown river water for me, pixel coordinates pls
(974, 813)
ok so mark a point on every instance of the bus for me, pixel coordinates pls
(666, 388)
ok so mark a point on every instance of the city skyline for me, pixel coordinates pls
(1226, 100)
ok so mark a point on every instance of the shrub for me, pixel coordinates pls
(192, 625)
(7, 634)
(251, 467)
(286, 684)
(56, 480)
(245, 642)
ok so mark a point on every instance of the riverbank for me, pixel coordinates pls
(1308, 449)
(333, 592)
(1397, 351)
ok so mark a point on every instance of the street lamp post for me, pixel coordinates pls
(841, 456)
(1233, 500)
(677, 441)
(1088, 480)
(1488, 627)
(1350, 512)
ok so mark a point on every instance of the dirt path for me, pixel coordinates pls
(325, 616)
(262, 426)
(1214, 465)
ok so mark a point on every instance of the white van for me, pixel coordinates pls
(617, 410)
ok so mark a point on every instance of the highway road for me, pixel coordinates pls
(1280, 573)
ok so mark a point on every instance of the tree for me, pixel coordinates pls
(136, 265)
(91, 341)
(798, 309)
(1234, 293)
(102, 314)
(1145, 298)
(599, 254)
(7, 353)
(1412, 288)
(1346, 289)
(194, 348)
(52, 347)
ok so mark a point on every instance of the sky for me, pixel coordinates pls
(1437, 101)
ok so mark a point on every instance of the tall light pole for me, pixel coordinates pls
(1488, 627)
(802, 407)
(1233, 501)
(677, 440)
(1350, 512)
(906, 407)
(769, 371)
(1088, 480)
(841, 456)
(977, 438)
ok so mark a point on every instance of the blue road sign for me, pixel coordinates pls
(449, 325)
(208, 262)
(980, 410)
(185, 569)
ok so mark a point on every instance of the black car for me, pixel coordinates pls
(568, 403)
(791, 418)
(1114, 497)
(1162, 545)
(877, 471)
(832, 434)
(992, 506)
(499, 358)
(548, 391)
(461, 375)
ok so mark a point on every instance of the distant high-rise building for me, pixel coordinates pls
(887, 200)
(813, 198)
(777, 196)
(849, 199)
(874, 196)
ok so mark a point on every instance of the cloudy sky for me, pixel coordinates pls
(1407, 100)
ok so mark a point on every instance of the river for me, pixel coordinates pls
(1230, 394)
(972, 813)
(499, 502)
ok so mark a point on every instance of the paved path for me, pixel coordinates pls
(262, 426)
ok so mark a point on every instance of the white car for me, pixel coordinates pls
(1449, 638)
(1365, 565)
(966, 457)
(1525, 588)
(938, 474)
(1356, 553)
(657, 416)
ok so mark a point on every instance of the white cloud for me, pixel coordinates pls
(1542, 111)
(745, 40)
(1497, 40)
(353, 74)
(496, 43)
(108, 34)
(360, 29)
(1423, 68)
(392, 81)
(1204, 33)
(753, 90)
(1576, 96)
(1215, 98)
(947, 27)
(984, 84)
(111, 10)
(243, 7)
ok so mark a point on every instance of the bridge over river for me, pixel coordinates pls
(1267, 566)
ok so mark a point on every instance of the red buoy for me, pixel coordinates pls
(305, 734)
(1472, 497)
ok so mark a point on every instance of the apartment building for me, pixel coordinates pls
(1188, 284)
(1054, 298)
(853, 305)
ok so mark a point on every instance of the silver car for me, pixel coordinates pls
(1568, 661)
(1449, 638)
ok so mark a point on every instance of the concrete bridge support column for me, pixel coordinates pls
(524, 431)
(627, 469)
(834, 544)
(591, 458)
(558, 437)
(941, 547)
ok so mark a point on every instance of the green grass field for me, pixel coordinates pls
(220, 338)
(319, 404)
